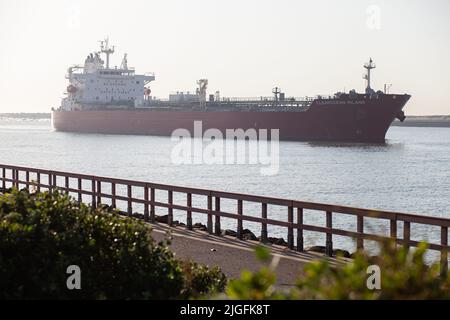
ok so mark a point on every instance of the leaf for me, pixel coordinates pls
(262, 253)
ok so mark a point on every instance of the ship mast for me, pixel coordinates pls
(202, 86)
(104, 46)
(369, 66)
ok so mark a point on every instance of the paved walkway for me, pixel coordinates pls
(233, 255)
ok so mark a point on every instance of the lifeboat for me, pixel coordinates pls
(71, 89)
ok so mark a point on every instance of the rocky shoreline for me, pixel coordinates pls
(246, 235)
(424, 121)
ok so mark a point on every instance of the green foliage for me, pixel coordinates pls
(42, 234)
(262, 254)
(200, 281)
(404, 275)
(258, 285)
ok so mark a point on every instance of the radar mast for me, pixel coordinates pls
(369, 66)
(104, 46)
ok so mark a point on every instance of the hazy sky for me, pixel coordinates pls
(244, 47)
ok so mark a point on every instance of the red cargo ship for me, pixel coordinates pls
(117, 101)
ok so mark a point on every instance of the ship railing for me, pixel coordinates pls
(265, 99)
(155, 197)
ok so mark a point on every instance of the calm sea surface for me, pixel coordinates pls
(411, 173)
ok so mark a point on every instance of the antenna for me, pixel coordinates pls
(104, 48)
(369, 66)
(202, 86)
(276, 91)
(124, 65)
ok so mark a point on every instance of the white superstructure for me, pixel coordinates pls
(95, 84)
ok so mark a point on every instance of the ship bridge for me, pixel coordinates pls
(98, 84)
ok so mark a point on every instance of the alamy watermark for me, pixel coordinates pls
(373, 281)
(235, 146)
(73, 281)
(373, 21)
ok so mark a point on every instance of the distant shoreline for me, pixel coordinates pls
(424, 121)
(24, 115)
(411, 121)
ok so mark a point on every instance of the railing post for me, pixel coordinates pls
(210, 219)
(189, 212)
(217, 226)
(50, 181)
(329, 241)
(80, 188)
(94, 205)
(67, 184)
(406, 234)
(99, 191)
(3, 179)
(12, 178)
(113, 195)
(394, 229)
(54, 183)
(18, 178)
(290, 235)
(444, 252)
(360, 230)
(38, 178)
(239, 223)
(170, 209)
(264, 234)
(13, 173)
(129, 196)
(27, 179)
(300, 229)
(146, 213)
(152, 205)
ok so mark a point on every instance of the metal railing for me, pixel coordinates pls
(14, 176)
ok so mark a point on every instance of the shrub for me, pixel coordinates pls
(258, 285)
(404, 275)
(42, 234)
(201, 281)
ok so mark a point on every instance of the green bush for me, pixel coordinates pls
(258, 285)
(404, 275)
(201, 281)
(42, 234)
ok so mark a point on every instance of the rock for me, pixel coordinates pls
(336, 252)
(277, 241)
(106, 208)
(200, 226)
(162, 219)
(248, 235)
(341, 253)
(213, 250)
(229, 232)
(137, 215)
(318, 249)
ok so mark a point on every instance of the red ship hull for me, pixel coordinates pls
(364, 119)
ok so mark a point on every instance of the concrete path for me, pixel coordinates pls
(233, 255)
